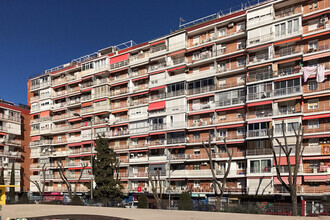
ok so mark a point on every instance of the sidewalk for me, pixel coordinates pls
(20, 211)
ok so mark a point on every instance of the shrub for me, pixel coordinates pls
(185, 201)
(143, 202)
(76, 201)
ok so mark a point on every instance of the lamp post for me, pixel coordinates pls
(169, 178)
(92, 146)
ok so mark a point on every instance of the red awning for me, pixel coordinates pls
(157, 88)
(3, 133)
(137, 151)
(157, 133)
(159, 42)
(231, 126)
(259, 47)
(287, 41)
(141, 78)
(284, 161)
(118, 125)
(289, 60)
(177, 147)
(265, 64)
(119, 58)
(157, 162)
(160, 71)
(316, 56)
(118, 111)
(316, 178)
(202, 112)
(86, 104)
(156, 106)
(100, 100)
(75, 119)
(317, 158)
(155, 148)
(202, 96)
(287, 99)
(86, 90)
(175, 53)
(202, 129)
(74, 144)
(196, 48)
(176, 68)
(141, 93)
(316, 116)
(44, 114)
(120, 83)
(259, 121)
(259, 103)
(35, 138)
(231, 108)
(119, 70)
(286, 180)
(139, 136)
(86, 142)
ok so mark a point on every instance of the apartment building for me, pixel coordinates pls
(232, 76)
(14, 143)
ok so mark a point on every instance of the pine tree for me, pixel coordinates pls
(12, 182)
(108, 187)
(185, 201)
(2, 176)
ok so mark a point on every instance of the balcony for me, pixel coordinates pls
(138, 159)
(176, 61)
(40, 142)
(176, 140)
(320, 169)
(87, 84)
(260, 39)
(191, 173)
(257, 133)
(120, 147)
(279, 14)
(289, 110)
(155, 51)
(287, 51)
(228, 102)
(203, 106)
(157, 142)
(119, 64)
(8, 153)
(258, 58)
(156, 67)
(158, 96)
(138, 58)
(203, 89)
(321, 128)
(137, 102)
(139, 174)
(155, 127)
(119, 92)
(10, 118)
(288, 71)
(320, 47)
(260, 113)
(259, 151)
(260, 169)
(230, 85)
(60, 93)
(231, 136)
(259, 75)
(157, 157)
(260, 95)
(200, 74)
(59, 117)
(201, 122)
(287, 91)
(175, 93)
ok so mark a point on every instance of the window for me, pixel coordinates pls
(240, 165)
(314, 164)
(197, 183)
(241, 62)
(313, 104)
(196, 40)
(240, 45)
(313, 25)
(222, 32)
(241, 26)
(312, 85)
(312, 45)
(240, 131)
(222, 133)
(313, 124)
(196, 56)
(196, 135)
(87, 66)
(197, 151)
(222, 116)
(222, 66)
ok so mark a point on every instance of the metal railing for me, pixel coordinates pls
(287, 90)
(257, 133)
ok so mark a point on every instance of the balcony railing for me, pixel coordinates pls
(259, 58)
(321, 128)
(203, 89)
(288, 71)
(177, 140)
(230, 85)
(287, 51)
(260, 95)
(287, 91)
(260, 74)
(259, 151)
(288, 12)
(158, 127)
(9, 117)
(257, 133)
(260, 169)
(260, 113)
(119, 64)
(228, 102)
(198, 107)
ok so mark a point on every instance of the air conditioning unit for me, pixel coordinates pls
(231, 25)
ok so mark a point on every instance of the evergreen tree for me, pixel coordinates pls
(143, 202)
(12, 182)
(185, 201)
(2, 176)
(107, 188)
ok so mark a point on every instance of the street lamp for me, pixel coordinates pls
(92, 146)
(169, 178)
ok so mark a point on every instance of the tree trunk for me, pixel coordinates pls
(294, 201)
(217, 203)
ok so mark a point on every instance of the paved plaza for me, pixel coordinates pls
(20, 211)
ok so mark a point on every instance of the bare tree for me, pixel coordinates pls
(61, 171)
(41, 189)
(217, 183)
(291, 186)
(154, 178)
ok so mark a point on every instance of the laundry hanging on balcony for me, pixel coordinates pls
(308, 71)
(320, 73)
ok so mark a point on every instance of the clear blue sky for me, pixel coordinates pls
(40, 34)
